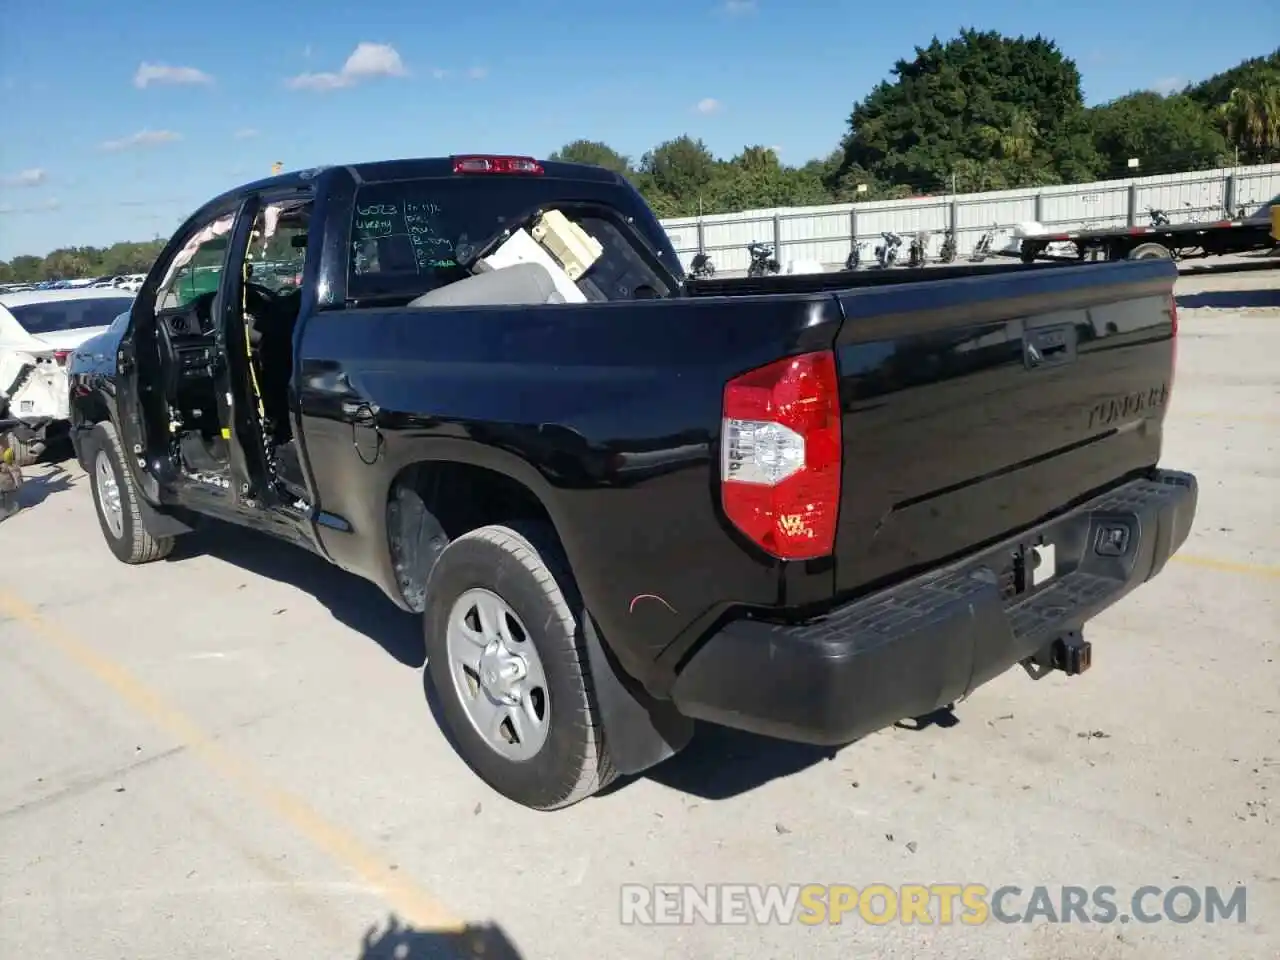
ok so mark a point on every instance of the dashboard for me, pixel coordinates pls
(187, 338)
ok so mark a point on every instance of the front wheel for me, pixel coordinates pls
(508, 662)
(116, 501)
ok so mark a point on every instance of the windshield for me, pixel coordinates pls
(407, 237)
(57, 315)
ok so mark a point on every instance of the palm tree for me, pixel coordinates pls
(1018, 139)
(1251, 116)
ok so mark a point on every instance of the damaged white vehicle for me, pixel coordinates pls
(39, 329)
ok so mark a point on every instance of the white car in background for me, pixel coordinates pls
(38, 330)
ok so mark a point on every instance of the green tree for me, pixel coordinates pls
(1242, 102)
(1251, 117)
(756, 179)
(679, 174)
(1214, 91)
(1163, 132)
(594, 152)
(26, 269)
(982, 98)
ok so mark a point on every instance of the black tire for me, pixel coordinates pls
(134, 544)
(525, 568)
(1150, 251)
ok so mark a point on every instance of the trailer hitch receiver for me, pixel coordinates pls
(1071, 653)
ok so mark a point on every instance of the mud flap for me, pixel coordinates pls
(641, 732)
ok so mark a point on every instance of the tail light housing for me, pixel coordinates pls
(489, 164)
(1173, 320)
(780, 452)
(60, 357)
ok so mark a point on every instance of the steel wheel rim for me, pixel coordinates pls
(497, 675)
(104, 479)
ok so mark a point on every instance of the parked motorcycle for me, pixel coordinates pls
(919, 251)
(948, 252)
(887, 252)
(982, 249)
(701, 267)
(763, 262)
(854, 260)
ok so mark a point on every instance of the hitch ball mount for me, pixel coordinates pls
(1071, 653)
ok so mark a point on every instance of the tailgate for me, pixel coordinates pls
(977, 406)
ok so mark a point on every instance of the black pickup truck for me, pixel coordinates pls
(623, 501)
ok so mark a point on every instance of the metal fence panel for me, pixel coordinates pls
(825, 233)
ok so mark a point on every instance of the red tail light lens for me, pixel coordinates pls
(60, 357)
(479, 164)
(780, 455)
(1173, 320)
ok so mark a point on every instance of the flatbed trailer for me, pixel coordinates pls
(1176, 241)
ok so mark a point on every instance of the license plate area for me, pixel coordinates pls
(1029, 567)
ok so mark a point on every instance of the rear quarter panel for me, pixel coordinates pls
(609, 413)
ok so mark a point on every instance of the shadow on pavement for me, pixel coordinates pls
(1231, 299)
(400, 942)
(720, 763)
(353, 601)
(36, 487)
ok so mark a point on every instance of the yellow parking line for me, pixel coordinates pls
(414, 905)
(1229, 566)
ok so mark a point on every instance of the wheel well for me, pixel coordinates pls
(89, 409)
(433, 503)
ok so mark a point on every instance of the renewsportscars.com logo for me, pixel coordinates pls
(925, 904)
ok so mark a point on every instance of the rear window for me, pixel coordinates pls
(407, 237)
(56, 315)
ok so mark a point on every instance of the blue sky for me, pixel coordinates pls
(119, 119)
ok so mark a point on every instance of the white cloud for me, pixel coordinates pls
(709, 105)
(143, 138)
(366, 61)
(149, 73)
(318, 81)
(26, 178)
(1168, 85)
(736, 8)
(478, 73)
(245, 133)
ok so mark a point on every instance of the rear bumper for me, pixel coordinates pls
(925, 643)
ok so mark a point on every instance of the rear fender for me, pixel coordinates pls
(640, 730)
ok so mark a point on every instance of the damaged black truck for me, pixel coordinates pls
(623, 501)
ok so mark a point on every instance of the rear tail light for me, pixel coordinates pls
(486, 164)
(1173, 320)
(60, 357)
(780, 455)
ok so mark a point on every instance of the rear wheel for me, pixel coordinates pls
(508, 662)
(116, 501)
(1150, 251)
